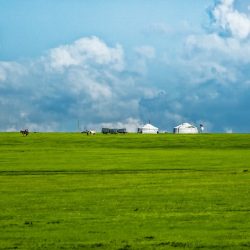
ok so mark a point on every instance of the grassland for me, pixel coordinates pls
(72, 191)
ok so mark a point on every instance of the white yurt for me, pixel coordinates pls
(186, 128)
(148, 129)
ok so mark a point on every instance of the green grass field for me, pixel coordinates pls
(73, 191)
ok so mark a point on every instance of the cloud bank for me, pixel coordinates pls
(209, 81)
(85, 81)
(88, 80)
(228, 21)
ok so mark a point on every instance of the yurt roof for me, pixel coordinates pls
(185, 125)
(149, 126)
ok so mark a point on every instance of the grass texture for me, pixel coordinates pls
(73, 191)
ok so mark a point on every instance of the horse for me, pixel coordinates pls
(24, 132)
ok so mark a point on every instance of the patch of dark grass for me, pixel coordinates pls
(174, 244)
(245, 244)
(125, 247)
(96, 245)
(53, 222)
(28, 223)
(93, 232)
(215, 247)
(149, 237)
(7, 248)
(111, 171)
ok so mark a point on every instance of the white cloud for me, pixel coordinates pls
(85, 51)
(214, 56)
(86, 80)
(11, 72)
(227, 19)
(208, 82)
(219, 55)
(143, 56)
(91, 81)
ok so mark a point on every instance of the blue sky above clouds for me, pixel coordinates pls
(122, 63)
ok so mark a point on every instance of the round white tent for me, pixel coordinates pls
(185, 128)
(148, 129)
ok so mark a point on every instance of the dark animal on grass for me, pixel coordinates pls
(91, 132)
(24, 132)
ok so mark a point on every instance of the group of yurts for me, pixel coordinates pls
(184, 128)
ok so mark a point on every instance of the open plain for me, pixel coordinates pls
(73, 191)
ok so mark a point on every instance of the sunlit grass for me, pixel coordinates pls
(73, 191)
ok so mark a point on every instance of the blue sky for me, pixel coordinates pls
(122, 63)
(28, 28)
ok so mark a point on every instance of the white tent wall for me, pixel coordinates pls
(186, 128)
(148, 129)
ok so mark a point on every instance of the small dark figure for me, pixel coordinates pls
(201, 128)
(24, 132)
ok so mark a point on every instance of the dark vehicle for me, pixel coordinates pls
(114, 131)
(121, 131)
(105, 130)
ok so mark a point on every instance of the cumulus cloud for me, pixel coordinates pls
(217, 64)
(225, 54)
(211, 83)
(86, 80)
(11, 72)
(229, 21)
(143, 56)
(84, 51)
